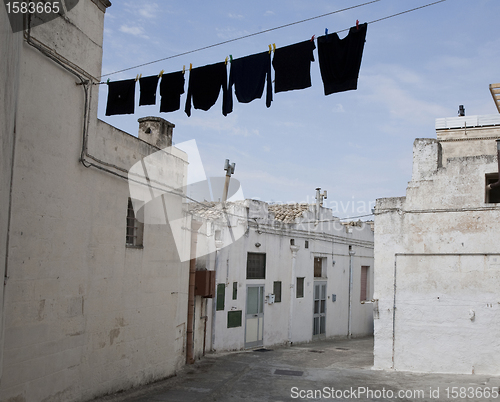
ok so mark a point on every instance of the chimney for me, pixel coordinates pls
(156, 131)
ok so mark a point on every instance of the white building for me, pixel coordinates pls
(437, 256)
(93, 301)
(287, 278)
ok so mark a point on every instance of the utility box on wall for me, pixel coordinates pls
(204, 283)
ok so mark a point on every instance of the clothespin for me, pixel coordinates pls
(107, 82)
(326, 31)
(190, 66)
(274, 47)
(312, 38)
(270, 49)
(183, 69)
(138, 77)
(230, 58)
(227, 58)
(357, 25)
(161, 73)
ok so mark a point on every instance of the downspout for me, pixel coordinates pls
(195, 226)
(218, 246)
(294, 250)
(497, 183)
(349, 318)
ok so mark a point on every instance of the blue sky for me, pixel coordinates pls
(357, 145)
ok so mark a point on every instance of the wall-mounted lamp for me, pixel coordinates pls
(258, 244)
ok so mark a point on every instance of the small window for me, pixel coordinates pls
(221, 290)
(306, 245)
(319, 264)
(256, 266)
(493, 195)
(135, 227)
(364, 294)
(235, 290)
(292, 242)
(234, 318)
(277, 291)
(300, 287)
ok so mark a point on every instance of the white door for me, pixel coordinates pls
(319, 313)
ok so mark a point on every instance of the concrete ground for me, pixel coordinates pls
(328, 370)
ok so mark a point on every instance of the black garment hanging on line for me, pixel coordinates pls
(204, 87)
(171, 88)
(340, 59)
(148, 87)
(121, 97)
(249, 75)
(292, 66)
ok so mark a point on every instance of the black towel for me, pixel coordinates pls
(340, 59)
(249, 75)
(171, 88)
(121, 97)
(148, 87)
(204, 87)
(292, 66)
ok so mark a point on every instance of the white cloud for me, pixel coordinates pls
(235, 16)
(136, 31)
(268, 13)
(338, 108)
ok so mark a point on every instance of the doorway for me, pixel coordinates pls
(319, 313)
(254, 317)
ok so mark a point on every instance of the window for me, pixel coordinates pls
(221, 290)
(493, 195)
(319, 263)
(277, 291)
(235, 290)
(292, 242)
(364, 284)
(300, 287)
(306, 245)
(135, 228)
(234, 318)
(256, 266)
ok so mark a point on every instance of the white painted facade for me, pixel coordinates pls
(83, 314)
(272, 233)
(437, 258)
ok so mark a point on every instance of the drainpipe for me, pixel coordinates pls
(349, 319)
(497, 183)
(218, 246)
(294, 250)
(195, 226)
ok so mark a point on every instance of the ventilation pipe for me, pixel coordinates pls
(497, 183)
(461, 111)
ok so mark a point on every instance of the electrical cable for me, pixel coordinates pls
(273, 29)
(240, 37)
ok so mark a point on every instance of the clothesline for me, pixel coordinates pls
(272, 29)
(339, 61)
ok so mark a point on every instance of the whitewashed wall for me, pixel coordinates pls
(437, 261)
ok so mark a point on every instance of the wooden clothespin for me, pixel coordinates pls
(138, 77)
(161, 73)
(274, 47)
(270, 49)
(190, 66)
(183, 69)
(227, 58)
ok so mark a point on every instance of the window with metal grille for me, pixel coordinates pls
(235, 290)
(277, 291)
(364, 283)
(300, 287)
(221, 293)
(135, 228)
(256, 266)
